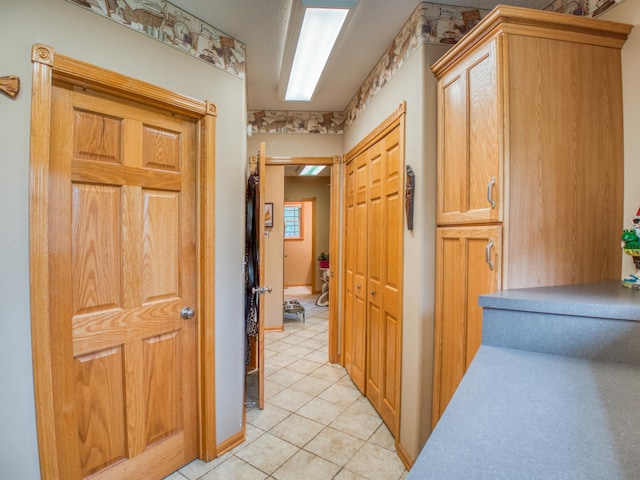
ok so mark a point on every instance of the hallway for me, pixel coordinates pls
(316, 425)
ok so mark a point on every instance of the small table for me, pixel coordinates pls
(293, 307)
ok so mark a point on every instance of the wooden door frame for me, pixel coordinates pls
(312, 201)
(334, 240)
(47, 67)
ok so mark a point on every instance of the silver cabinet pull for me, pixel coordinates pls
(487, 253)
(490, 192)
(187, 313)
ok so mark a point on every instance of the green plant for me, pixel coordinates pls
(323, 256)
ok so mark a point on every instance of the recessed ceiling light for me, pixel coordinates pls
(320, 29)
(311, 170)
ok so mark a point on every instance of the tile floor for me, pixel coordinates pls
(315, 425)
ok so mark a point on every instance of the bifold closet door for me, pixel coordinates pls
(373, 246)
(355, 271)
(384, 277)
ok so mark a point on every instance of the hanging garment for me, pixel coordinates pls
(251, 258)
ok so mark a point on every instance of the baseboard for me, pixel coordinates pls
(404, 456)
(277, 328)
(230, 443)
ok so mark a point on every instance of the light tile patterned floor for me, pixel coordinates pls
(315, 425)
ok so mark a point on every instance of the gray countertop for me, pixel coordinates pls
(603, 299)
(553, 392)
(524, 415)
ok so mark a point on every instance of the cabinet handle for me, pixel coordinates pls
(490, 192)
(373, 293)
(487, 254)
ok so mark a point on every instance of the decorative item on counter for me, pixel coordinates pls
(323, 259)
(631, 246)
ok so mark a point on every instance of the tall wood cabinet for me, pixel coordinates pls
(529, 169)
(372, 287)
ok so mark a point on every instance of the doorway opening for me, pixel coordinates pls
(271, 307)
(319, 197)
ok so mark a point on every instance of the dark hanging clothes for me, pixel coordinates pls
(252, 256)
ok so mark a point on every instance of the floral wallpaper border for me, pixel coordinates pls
(279, 121)
(173, 26)
(582, 8)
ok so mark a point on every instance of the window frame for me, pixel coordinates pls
(300, 208)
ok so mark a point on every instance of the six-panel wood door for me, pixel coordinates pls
(123, 258)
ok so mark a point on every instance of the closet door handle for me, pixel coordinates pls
(487, 254)
(490, 193)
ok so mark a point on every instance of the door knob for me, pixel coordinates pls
(187, 313)
(261, 290)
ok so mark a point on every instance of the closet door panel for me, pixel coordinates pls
(360, 272)
(349, 269)
(375, 327)
(392, 247)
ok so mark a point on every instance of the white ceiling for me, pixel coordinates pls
(262, 26)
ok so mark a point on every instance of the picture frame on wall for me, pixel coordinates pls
(268, 215)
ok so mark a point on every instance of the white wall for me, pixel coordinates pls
(415, 84)
(629, 12)
(81, 34)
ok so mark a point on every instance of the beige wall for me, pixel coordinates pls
(274, 246)
(78, 33)
(296, 144)
(415, 84)
(298, 260)
(629, 12)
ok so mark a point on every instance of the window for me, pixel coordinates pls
(293, 221)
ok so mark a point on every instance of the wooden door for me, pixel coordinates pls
(467, 265)
(391, 232)
(349, 268)
(122, 239)
(375, 266)
(262, 170)
(358, 367)
(470, 141)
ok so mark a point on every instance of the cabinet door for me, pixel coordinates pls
(467, 265)
(470, 138)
